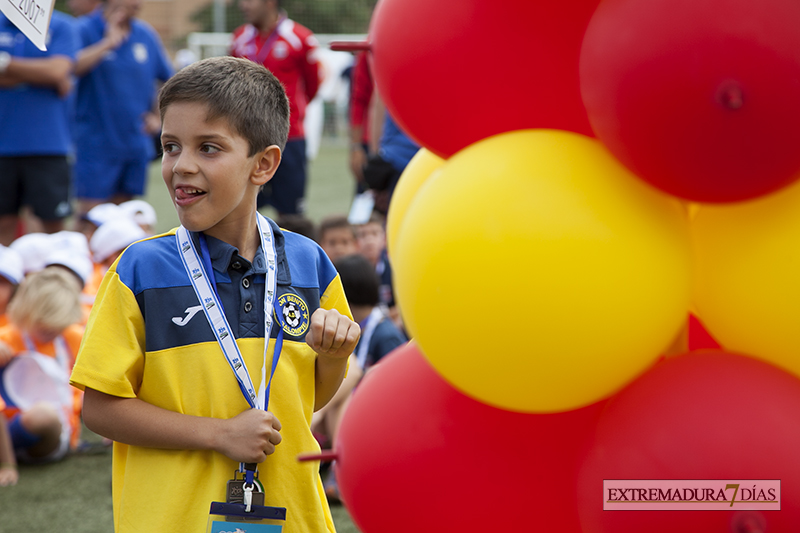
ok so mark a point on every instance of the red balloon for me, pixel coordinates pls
(698, 337)
(453, 73)
(414, 454)
(707, 416)
(697, 97)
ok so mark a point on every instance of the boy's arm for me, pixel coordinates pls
(50, 71)
(311, 68)
(115, 35)
(248, 437)
(334, 337)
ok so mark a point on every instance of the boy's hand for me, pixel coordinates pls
(332, 334)
(8, 475)
(250, 436)
(116, 27)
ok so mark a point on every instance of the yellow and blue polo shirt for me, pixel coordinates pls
(147, 338)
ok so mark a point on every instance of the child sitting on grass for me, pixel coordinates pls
(42, 338)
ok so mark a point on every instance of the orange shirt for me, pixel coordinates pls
(90, 290)
(93, 283)
(12, 336)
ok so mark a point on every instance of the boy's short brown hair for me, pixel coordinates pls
(334, 222)
(244, 93)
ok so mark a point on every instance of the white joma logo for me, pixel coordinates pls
(182, 321)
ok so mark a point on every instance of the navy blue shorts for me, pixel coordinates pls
(101, 178)
(286, 190)
(41, 182)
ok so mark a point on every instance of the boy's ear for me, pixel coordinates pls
(267, 162)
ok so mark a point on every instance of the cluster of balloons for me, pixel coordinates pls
(592, 171)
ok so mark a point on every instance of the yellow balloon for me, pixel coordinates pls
(538, 274)
(747, 281)
(422, 165)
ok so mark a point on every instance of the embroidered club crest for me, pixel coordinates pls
(280, 50)
(140, 52)
(295, 315)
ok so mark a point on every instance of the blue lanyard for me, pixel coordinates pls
(201, 275)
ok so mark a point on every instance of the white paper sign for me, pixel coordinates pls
(32, 17)
(361, 208)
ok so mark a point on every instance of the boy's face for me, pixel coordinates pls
(81, 7)
(338, 242)
(210, 177)
(255, 11)
(42, 334)
(371, 241)
(130, 8)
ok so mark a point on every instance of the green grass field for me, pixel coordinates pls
(74, 495)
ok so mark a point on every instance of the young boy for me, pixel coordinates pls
(337, 237)
(181, 399)
(371, 237)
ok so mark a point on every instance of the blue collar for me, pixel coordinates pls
(222, 252)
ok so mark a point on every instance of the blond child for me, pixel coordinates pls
(43, 337)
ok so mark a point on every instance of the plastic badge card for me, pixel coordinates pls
(232, 518)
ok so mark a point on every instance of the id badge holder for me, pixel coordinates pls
(234, 518)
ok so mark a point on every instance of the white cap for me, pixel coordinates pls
(114, 236)
(34, 249)
(79, 263)
(100, 214)
(141, 212)
(11, 265)
(72, 241)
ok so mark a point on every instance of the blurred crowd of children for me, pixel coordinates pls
(47, 287)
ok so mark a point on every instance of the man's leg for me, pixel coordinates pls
(48, 181)
(132, 181)
(10, 199)
(289, 181)
(96, 181)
